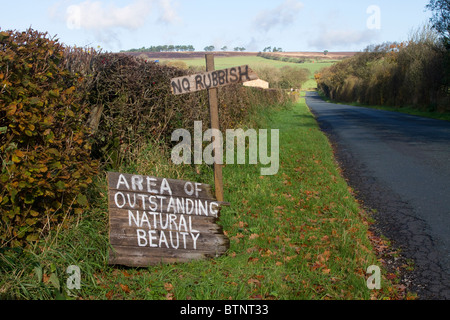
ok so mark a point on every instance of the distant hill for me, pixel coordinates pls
(189, 54)
(315, 55)
(201, 54)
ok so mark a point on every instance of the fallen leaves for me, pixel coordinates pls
(169, 288)
(320, 263)
(125, 288)
(254, 282)
(253, 236)
(237, 237)
(378, 243)
(252, 259)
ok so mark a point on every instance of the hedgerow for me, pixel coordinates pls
(44, 150)
(131, 102)
(412, 73)
(67, 114)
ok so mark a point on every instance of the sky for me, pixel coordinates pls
(293, 25)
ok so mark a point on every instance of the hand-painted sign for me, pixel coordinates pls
(212, 79)
(157, 220)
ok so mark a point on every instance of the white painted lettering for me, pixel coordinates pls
(165, 187)
(116, 197)
(136, 183)
(151, 237)
(151, 183)
(141, 237)
(194, 239)
(121, 181)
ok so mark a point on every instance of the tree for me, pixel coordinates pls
(292, 77)
(441, 18)
(224, 48)
(325, 52)
(209, 48)
(441, 23)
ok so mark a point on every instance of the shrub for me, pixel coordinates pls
(292, 77)
(270, 74)
(286, 77)
(45, 153)
(177, 64)
(131, 103)
(129, 99)
(399, 74)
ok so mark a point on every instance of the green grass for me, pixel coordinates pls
(299, 234)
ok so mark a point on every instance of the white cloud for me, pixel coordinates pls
(282, 15)
(94, 15)
(98, 16)
(168, 13)
(336, 31)
(105, 21)
(342, 39)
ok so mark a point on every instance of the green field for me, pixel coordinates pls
(257, 62)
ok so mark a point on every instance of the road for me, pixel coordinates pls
(399, 165)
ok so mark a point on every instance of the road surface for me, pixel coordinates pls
(400, 166)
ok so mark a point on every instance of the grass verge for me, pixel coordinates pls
(299, 234)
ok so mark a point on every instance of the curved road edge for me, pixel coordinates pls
(366, 144)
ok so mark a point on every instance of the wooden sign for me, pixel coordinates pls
(212, 79)
(157, 220)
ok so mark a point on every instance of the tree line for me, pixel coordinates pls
(179, 48)
(163, 48)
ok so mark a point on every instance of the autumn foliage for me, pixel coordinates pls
(46, 164)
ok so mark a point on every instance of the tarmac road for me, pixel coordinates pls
(400, 166)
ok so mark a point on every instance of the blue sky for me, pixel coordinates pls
(293, 25)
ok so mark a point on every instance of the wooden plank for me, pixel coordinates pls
(164, 239)
(158, 186)
(212, 79)
(138, 228)
(171, 204)
(120, 218)
(120, 229)
(158, 220)
(132, 257)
